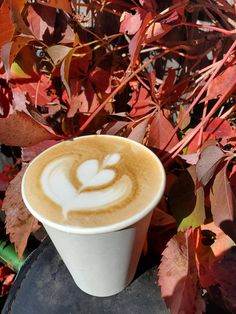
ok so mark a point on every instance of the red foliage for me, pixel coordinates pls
(147, 71)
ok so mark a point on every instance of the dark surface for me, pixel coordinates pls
(44, 286)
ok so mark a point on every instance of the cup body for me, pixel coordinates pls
(102, 264)
(102, 260)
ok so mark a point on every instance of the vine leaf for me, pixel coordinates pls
(223, 203)
(19, 222)
(178, 275)
(224, 271)
(209, 159)
(187, 205)
(14, 130)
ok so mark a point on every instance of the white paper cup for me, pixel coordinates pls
(102, 260)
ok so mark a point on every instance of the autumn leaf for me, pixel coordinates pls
(194, 145)
(220, 128)
(160, 131)
(30, 152)
(137, 41)
(141, 102)
(6, 25)
(138, 131)
(211, 244)
(131, 23)
(115, 127)
(14, 130)
(224, 271)
(209, 159)
(19, 222)
(218, 85)
(58, 4)
(178, 275)
(223, 203)
(6, 279)
(186, 204)
(10, 50)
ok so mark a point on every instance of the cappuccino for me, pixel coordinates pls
(92, 181)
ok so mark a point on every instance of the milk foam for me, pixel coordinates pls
(99, 184)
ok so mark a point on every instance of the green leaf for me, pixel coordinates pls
(186, 204)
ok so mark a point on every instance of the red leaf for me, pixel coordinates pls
(7, 284)
(6, 25)
(194, 145)
(223, 204)
(5, 177)
(101, 80)
(137, 41)
(210, 158)
(232, 179)
(131, 23)
(140, 102)
(40, 93)
(41, 21)
(158, 29)
(159, 135)
(149, 5)
(220, 128)
(113, 128)
(139, 130)
(185, 202)
(221, 82)
(10, 50)
(59, 4)
(6, 278)
(19, 222)
(178, 275)
(224, 272)
(30, 152)
(19, 129)
(191, 159)
(5, 99)
(212, 243)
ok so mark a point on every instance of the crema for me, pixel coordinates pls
(92, 181)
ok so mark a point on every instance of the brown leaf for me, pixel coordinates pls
(224, 271)
(160, 131)
(19, 129)
(209, 159)
(223, 203)
(19, 222)
(178, 275)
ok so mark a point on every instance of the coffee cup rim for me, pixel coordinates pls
(106, 228)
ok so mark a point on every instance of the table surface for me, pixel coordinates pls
(44, 286)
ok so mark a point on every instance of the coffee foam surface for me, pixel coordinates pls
(91, 181)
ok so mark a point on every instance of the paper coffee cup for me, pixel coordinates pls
(102, 260)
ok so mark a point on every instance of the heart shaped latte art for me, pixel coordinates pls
(57, 186)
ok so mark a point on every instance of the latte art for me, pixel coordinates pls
(92, 181)
(57, 186)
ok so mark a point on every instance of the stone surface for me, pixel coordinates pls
(44, 286)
